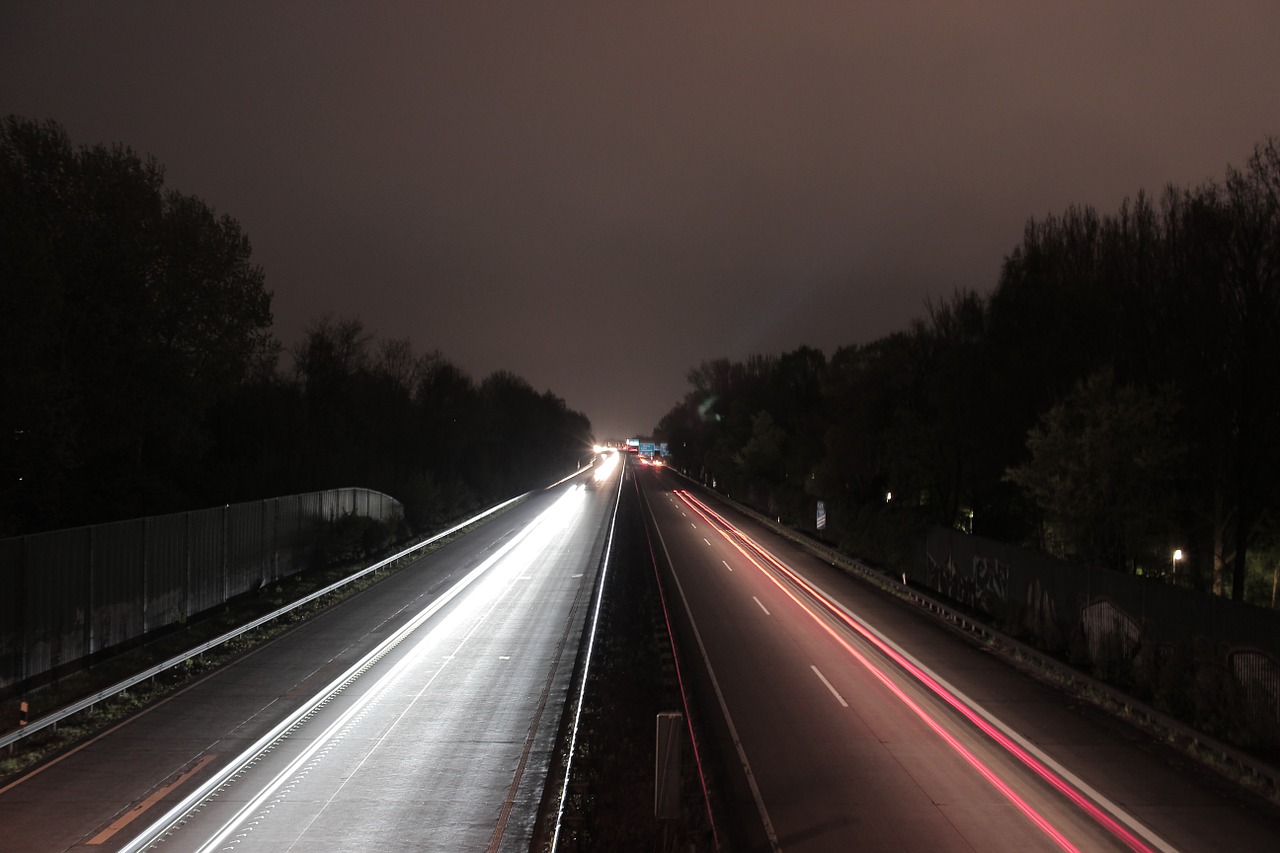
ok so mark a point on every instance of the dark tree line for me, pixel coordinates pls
(1116, 396)
(359, 411)
(138, 373)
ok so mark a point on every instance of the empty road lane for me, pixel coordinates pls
(844, 720)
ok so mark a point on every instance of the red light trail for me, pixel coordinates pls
(751, 550)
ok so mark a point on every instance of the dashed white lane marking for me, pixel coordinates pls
(839, 698)
(762, 607)
(727, 566)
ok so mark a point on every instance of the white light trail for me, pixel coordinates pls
(515, 556)
(586, 668)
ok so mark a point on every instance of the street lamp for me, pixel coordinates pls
(1177, 558)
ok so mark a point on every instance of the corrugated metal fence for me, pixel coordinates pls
(67, 594)
(1108, 616)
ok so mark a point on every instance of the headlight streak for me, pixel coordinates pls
(606, 467)
(489, 594)
(87, 702)
(586, 668)
(162, 827)
(980, 718)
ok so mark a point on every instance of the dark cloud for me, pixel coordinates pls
(599, 198)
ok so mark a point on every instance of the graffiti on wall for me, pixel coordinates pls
(985, 586)
(1040, 613)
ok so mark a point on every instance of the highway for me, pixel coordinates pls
(837, 717)
(418, 715)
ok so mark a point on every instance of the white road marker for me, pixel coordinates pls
(762, 607)
(727, 566)
(724, 707)
(839, 698)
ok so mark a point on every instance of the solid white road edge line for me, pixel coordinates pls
(724, 708)
(1079, 784)
(157, 829)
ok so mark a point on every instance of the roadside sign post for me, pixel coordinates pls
(666, 776)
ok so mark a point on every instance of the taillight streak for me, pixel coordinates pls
(684, 696)
(731, 533)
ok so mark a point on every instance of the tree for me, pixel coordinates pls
(1242, 356)
(761, 457)
(946, 429)
(863, 388)
(1102, 469)
(1202, 294)
(126, 311)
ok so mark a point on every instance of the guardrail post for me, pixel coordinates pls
(88, 605)
(186, 549)
(262, 540)
(226, 563)
(26, 616)
(146, 599)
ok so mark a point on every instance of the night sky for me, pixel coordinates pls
(600, 196)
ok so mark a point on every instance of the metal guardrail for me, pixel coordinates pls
(58, 716)
(76, 592)
(1264, 775)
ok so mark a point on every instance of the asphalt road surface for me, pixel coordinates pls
(842, 719)
(419, 715)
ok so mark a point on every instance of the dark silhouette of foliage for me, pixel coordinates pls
(372, 413)
(139, 375)
(127, 310)
(1102, 469)
(1124, 371)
